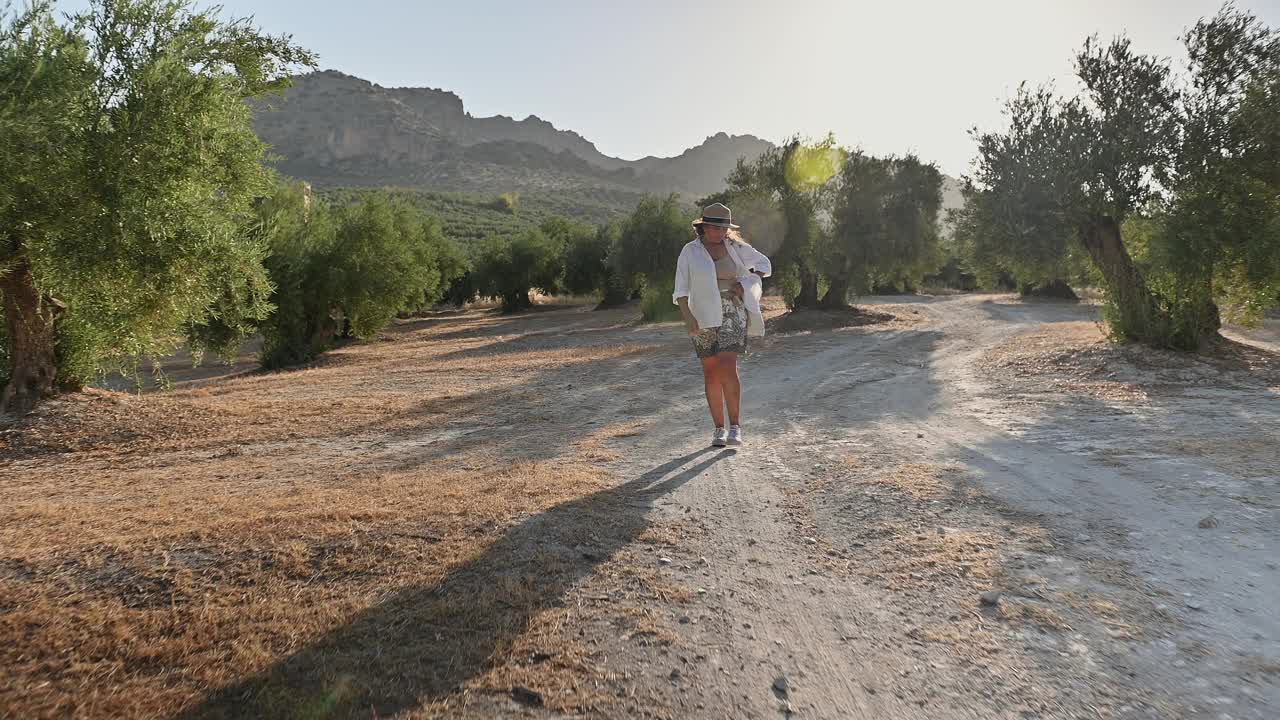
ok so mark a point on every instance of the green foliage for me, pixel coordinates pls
(1189, 168)
(510, 268)
(507, 202)
(656, 305)
(1220, 237)
(385, 260)
(345, 269)
(846, 221)
(128, 168)
(620, 284)
(794, 181)
(1037, 253)
(301, 240)
(457, 281)
(651, 239)
(586, 260)
(786, 281)
(470, 219)
(885, 224)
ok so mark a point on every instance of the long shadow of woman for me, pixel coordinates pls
(424, 642)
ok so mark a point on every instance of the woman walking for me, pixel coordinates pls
(718, 290)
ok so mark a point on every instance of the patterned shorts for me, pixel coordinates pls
(731, 336)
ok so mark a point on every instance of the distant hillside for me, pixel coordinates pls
(336, 130)
(951, 194)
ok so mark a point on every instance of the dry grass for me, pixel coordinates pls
(1023, 612)
(360, 535)
(1076, 358)
(919, 481)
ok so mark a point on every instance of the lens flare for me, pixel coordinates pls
(810, 166)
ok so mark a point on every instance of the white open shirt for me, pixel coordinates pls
(696, 280)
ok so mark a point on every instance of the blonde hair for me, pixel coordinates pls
(733, 235)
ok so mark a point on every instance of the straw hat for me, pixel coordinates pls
(717, 214)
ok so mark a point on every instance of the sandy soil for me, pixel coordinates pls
(971, 508)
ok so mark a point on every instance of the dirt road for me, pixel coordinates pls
(890, 481)
(924, 524)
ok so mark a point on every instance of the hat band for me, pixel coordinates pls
(716, 220)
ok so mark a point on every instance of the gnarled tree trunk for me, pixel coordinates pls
(808, 297)
(1202, 320)
(617, 290)
(837, 296)
(1139, 317)
(32, 323)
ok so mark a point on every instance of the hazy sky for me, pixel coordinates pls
(655, 77)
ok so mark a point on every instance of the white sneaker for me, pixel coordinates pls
(735, 436)
(720, 438)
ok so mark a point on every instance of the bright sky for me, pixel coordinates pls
(656, 77)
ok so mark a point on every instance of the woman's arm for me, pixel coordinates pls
(690, 322)
(681, 294)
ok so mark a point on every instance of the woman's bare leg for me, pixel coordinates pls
(715, 393)
(730, 385)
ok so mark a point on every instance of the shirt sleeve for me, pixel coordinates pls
(756, 260)
(682, 278)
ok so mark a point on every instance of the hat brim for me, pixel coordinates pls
(723, 224)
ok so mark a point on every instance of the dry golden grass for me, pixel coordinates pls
(919, 481)
(364, 535)
(1030, 613)
(1076, 358)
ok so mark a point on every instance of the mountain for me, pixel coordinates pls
(337, 130)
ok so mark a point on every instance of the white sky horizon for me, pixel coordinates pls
(659, 79)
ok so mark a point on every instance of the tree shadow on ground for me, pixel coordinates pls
(423, 643)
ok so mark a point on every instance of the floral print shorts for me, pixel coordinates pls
(731, 336)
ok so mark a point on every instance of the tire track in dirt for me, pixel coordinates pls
(819, 565)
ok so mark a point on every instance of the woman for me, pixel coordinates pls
(718, 291)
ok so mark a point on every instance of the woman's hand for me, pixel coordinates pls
(692, 327)
(738, 290)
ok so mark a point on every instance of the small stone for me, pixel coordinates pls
(675, 675)
(685, 620)
(991, 598)
(746, 625)
(811, 541)
(920, 435)
(781, 685)
(664, 560)
(1209, 523)
(1193, 603)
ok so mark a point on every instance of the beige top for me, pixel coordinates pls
(726, 273)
